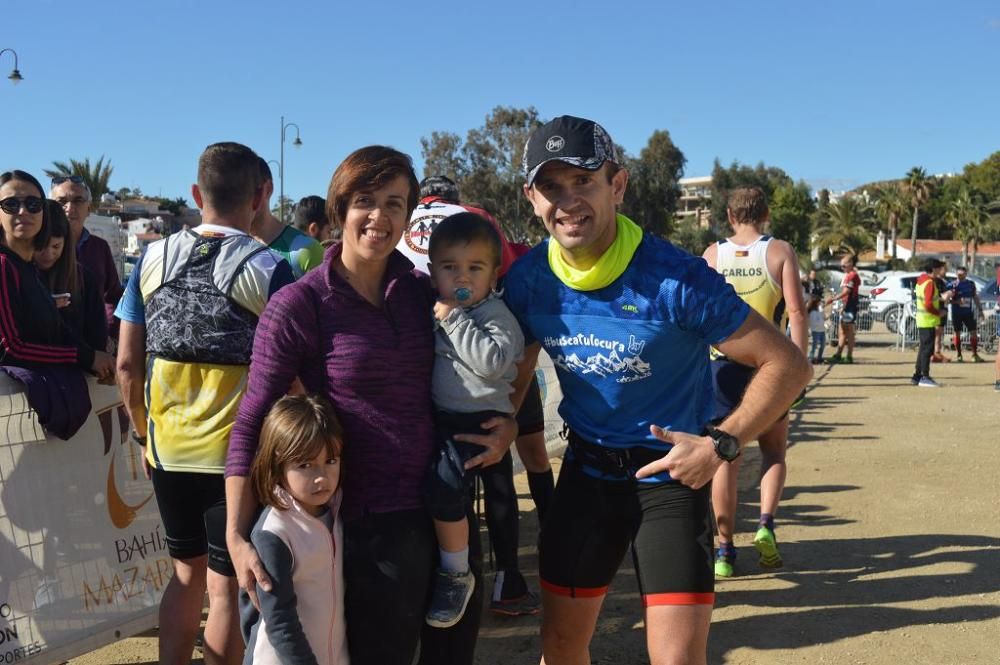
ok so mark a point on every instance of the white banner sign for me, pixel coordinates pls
(83, 558)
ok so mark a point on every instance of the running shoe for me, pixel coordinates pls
(725, 560)
(525, 605)
(928, 382)
(977, 359)
(848, 360)
(834, 359)
(451, 595)
(914, 380)
(996, 386)
(724, 567)
(959, 358)
(767, 546)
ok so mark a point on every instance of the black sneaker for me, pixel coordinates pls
(450, 597)
(515, 607)
(914, 380)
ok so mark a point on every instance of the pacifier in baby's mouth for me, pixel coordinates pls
(462, 294)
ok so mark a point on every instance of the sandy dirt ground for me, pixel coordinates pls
(889, 527)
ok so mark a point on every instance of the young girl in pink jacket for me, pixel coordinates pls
(298, 537)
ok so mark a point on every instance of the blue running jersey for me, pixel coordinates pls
(634, 353)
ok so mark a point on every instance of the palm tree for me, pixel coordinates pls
(95, 176)
(846, 226)
(890, 204)
(917, 187)
(971, 223)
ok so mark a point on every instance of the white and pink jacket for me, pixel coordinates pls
(301, 620)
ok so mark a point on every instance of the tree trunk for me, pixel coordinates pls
(972, 264)
(913, 233)
(892, 241)
(965, 253)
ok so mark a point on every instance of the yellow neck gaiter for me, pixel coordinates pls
(608, 268)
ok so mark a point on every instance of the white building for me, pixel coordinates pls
(696, 199)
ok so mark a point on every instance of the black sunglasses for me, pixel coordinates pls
(60, 179)
(12, 205)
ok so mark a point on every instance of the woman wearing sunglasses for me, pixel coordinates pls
(74, 288)
(31, 332)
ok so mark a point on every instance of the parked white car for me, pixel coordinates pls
(869, 280)
(888, 299)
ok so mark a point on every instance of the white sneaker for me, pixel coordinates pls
(928, 382)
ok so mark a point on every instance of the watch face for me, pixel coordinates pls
(726, 445)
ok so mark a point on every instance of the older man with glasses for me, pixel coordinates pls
(73, 194)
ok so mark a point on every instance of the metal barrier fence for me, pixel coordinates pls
(864, 322)
(902, 325)
(986, 325)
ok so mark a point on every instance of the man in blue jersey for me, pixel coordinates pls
(628, 319)
(965, 309)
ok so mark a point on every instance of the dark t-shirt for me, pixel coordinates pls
(852, 280)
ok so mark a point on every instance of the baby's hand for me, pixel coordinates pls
(442, 308)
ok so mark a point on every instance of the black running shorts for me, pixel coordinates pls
(193, 510)
(966, 319)
(531, 415)
(591, 523)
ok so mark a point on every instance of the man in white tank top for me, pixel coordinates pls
(765, 273)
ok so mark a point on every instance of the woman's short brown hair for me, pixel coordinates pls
(369, 167)
(296, 428)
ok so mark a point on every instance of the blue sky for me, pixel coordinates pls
(834, 93)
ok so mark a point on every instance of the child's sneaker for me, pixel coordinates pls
(451, 595)
(977, 359)
(767, 546)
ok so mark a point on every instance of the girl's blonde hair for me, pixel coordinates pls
(296, 428)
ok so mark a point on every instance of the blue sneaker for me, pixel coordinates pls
(450, 597)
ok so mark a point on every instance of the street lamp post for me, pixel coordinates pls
(15, 74)
(280, 176)
(281, 166)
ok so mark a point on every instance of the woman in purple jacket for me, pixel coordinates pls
(359, 331)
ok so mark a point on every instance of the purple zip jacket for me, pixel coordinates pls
(374, 364)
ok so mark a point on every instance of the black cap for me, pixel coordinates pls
(440, 186)
(574, 141)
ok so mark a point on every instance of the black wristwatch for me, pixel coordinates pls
(141, 440)
(726, 445)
